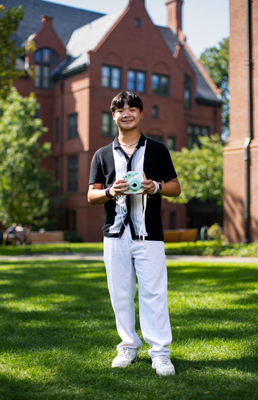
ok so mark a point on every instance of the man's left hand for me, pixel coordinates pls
(148, 185)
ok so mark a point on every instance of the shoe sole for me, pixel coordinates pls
(123, 365)
(164, 373)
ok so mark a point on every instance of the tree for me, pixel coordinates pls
(24, 187)
(216, 60)
(200, 171)
(9, 53)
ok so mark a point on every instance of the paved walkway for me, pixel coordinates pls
(99, 257)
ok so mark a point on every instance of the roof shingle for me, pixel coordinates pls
(66, 19)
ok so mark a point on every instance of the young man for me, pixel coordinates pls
(133, 236)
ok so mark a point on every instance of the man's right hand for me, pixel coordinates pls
(119, 187)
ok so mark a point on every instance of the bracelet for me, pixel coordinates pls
(107, 193)
(156, 187)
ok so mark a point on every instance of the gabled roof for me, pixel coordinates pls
(81, 31)
(88, 37)
(205, 91)
(66, 19)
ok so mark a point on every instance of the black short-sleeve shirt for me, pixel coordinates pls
(157, 165)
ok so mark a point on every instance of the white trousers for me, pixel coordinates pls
(124, 260)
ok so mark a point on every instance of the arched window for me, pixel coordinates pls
(45, 61)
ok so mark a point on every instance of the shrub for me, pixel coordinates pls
(73, 237)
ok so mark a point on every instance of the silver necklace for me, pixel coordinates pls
(128, 145)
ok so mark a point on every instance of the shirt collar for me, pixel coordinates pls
(140, 143)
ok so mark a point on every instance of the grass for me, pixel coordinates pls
(206, 248)
(58, 334)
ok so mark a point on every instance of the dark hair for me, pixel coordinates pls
(132, 99)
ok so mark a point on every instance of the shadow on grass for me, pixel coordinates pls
(221, 277)
(78, 380)
(52, 303)
(58, 330)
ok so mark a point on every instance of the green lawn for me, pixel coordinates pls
(58, 334)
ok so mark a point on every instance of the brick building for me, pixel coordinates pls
(83, 60)
(241, 154)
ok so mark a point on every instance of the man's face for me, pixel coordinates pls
(127, 118)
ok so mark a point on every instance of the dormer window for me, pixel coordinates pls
(45, 61)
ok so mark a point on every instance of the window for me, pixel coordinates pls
(74, 221)
(45, 61)
(137, 22)
(56, 170)
(172, 220)
(171, 143)
(108, 125)
(193, 131)
(187, 92)
(155, 112)
(56, 129)
(111, 77)
(156, 137)
(72, 126)
(160, 84)
(37, 114)
(67, 220)
(136, 81)
(72, 174)
(56, 173)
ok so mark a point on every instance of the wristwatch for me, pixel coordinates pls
(107, 193)
(160, 187)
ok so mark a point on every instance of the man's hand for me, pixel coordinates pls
(119, 187)
(148, 185)
(169, 189)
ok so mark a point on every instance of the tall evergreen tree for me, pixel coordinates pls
(9, 53)
(216, 62)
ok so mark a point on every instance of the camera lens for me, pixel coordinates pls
(134, 184)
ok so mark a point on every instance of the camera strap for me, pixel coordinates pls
(143, 228)
(121, 202)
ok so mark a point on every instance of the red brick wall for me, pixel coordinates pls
(254, 144)
(234, 165)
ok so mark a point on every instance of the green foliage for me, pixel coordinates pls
(200, 171)
(206, 248)
(72, 237)
(24, 187)
(216, 61)
(215, 232)
(8, 51)
(83, 248)
(212, 248)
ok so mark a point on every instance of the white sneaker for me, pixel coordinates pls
(163, 365)
(125, 357)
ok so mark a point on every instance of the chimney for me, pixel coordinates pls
(174, 14)
(46, 20)
(141, 2)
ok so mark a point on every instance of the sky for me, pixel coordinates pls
(205, 22)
